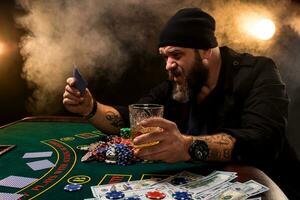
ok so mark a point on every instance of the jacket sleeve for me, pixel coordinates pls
(263, 118)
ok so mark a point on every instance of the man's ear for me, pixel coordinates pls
(205, 55)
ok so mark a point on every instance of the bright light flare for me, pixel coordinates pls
(1, 48)
(262, 28)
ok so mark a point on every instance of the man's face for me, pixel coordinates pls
(186, 70)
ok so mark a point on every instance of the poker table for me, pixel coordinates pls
(62, 135)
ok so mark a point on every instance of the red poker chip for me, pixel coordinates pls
(117, 140)
(155, 195)
(126, 141)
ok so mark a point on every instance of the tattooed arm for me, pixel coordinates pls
(107, 119)
(220, 146)
(174, 146)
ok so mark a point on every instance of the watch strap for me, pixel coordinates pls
(94, 110)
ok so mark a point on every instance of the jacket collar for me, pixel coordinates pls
(237, 60)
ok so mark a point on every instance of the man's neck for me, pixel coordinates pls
(214, 67)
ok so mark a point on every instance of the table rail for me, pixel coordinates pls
(45, 118)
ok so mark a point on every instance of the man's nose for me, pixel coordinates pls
(170, 64)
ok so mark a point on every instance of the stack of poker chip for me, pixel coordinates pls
(100, 151)
(112, 150)
(124, 154)
(111, 154)
(125, 133)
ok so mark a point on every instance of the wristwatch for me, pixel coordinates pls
(94, 110)
(198, 150)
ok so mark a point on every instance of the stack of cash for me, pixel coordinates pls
(217, 185)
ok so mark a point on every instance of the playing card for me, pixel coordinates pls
(41, 164)
(38, 154)
(10, 196)
(80, 83)
(16, 181)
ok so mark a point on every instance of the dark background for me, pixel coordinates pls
(13, 87)
(15, 90)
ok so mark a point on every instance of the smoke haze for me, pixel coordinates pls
(101, 36)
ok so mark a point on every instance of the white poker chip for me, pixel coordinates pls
(110, 161)
(83, 147)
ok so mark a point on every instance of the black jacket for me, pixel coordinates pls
(249, 102)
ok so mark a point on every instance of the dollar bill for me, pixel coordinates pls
(208, 182)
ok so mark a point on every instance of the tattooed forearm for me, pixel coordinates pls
(227, 154)
(220, 146)
(114, 119)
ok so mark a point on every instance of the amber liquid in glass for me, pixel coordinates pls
(140, 130)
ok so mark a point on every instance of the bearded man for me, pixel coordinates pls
(220, 105)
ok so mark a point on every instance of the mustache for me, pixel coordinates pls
(175, 72)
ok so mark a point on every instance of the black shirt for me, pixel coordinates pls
(249, 103)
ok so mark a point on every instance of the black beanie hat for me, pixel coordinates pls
(190, 28)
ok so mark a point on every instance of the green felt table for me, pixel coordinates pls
(62, 137)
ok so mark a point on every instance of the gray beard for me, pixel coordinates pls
(181, 93)
(193, 82)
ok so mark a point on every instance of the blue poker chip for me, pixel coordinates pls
(114, 195)
(179, 180)
(72, 187)
(124, 154)
(182, 196)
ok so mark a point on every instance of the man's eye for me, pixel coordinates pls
(165, 57)
(176, 56)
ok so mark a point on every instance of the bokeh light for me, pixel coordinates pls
(262, 28)
(1, 48)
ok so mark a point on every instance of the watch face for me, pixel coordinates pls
(199, 150)
(198, 154)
